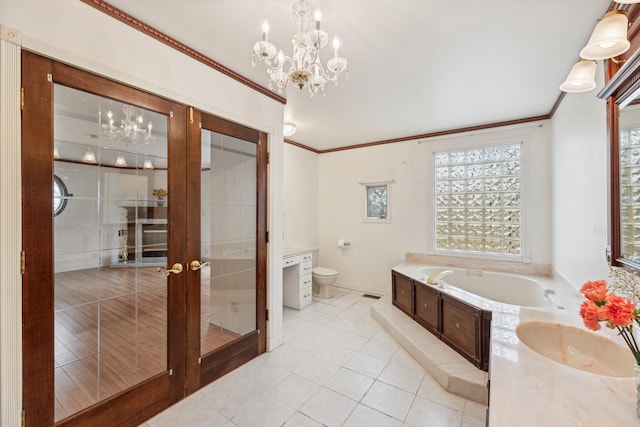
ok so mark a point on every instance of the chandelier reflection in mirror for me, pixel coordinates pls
(131, 129)
(303, 68)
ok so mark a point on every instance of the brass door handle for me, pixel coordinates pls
(197, 265)
(175, 269)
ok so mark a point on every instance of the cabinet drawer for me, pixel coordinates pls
(427, 307)
(305, 281)
(403, 293)
(305, 297)
(306, 257)
(305, 268)
(292, 260)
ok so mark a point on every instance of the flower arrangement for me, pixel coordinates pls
(617, 312)
(160, 193)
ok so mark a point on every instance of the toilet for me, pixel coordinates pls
(323, 279)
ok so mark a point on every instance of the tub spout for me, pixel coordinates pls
(434, 279)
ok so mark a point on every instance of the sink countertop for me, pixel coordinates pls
(287, 252)
(528, 389)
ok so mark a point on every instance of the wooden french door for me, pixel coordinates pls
(227, 187)
(128, 300)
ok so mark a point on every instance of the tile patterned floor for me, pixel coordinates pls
(338, 367)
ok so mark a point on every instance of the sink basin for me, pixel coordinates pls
(577, 348)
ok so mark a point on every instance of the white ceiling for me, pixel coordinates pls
(415, 66)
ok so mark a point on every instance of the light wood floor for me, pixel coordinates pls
(110, 333)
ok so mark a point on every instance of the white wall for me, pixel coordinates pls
(76, 33)
(376, 247)
(301, 209)
(580, 186)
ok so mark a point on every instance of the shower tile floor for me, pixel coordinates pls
(338, 367)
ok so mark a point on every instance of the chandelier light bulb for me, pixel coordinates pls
(317, 16)
(56, 153)
(265, 31)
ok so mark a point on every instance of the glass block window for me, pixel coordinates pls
(376, 203)
(477, 200)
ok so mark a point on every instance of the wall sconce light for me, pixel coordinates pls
(89, 157)
(289, 129)
(56, 153)
(147, 164)
(609, 38)
(121, 162)
(581, 78)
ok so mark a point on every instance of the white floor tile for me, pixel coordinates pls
(365, 416)
(301, 420)
(379, 349)
(263, 411)
(317, 370)
(329, 407)
(350, 383)
(399, 376)
(424, 412)
(294, 390)
(388, 399)
(366, 364)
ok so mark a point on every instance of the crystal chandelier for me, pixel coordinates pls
(131, 129)
(303, 68)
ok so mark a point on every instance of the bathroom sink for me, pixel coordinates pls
(577, 348)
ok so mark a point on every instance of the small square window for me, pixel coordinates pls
(377, 203)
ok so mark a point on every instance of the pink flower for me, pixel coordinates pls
(619, 311)
(591, 315)
(595, 291)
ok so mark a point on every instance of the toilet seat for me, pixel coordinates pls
(322, 271)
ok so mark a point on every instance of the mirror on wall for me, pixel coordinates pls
(629, 180)
(622, 94)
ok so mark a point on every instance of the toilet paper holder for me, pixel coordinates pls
(343, 244)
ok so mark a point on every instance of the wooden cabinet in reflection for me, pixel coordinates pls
(146, 234)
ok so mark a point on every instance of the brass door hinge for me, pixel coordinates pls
(191, 115)
(22, 262)
(267, 237)
(23, 417)
(21, 99)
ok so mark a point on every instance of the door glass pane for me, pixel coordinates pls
(110, 303)
(228, 236)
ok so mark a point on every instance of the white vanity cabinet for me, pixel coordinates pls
(296, 280)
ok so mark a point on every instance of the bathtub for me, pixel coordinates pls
(499, 287)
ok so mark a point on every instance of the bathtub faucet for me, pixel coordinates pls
(434, 279)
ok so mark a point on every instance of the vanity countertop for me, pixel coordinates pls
(287, 252)
(528, 389)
